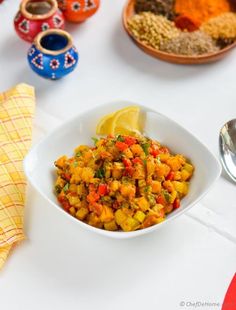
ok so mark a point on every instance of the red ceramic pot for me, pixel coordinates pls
(78, 10)
(35, 16)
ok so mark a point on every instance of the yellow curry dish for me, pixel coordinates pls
(122, 182)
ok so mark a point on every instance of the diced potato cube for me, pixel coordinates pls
(81, 190)
(87, 156)
(177, 176)
(158, 210)
(72, 211)
(73, 200)
(168, 209)
(117, 170)
(108, 169)
(87, 174)
(76, 176)
(115, 185)
(149, 221)
(73, 188)
(94, 220)
(189, 168)
(127, 152)
(162, 170)
(60, 162)
(164, 157)
(107, 214)
(181, 187)
(173, 196)
(60, 182)
(168, 185)
(139, 216)
(142, 203)
(139, 172)
(81, 148)
(130, 224)
(185, 175)
(156, 187)
(136, 149)
(127, 190)
(174, 163)
(160, 219)
(82, 213)
(111, 226)
(150, 166)
(120, 216)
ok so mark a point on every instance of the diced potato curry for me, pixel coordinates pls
(122, 182)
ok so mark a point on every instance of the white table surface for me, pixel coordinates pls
(191, 260)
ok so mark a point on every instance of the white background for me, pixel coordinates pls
(61, 266)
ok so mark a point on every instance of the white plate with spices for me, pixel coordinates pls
(40, 170)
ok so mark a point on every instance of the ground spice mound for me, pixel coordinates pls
(222, 28)
(151, 29)
(190, 44)
(159, 7)
(201, 10)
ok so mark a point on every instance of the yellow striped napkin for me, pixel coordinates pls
(16, 112)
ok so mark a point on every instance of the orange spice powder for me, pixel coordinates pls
(201, 10)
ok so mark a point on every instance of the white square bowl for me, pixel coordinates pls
(40, 171)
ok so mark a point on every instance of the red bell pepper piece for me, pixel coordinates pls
(103, 189)
(93, 197)
(170, 176)
(96, 208)
(176, 203)
(154, 152)
(64, 202)
(121, 146)
(137, 160)
(164, 150)
(130, 140)
(161, 200)
(127, 162)
(66, 176)
(129, 171)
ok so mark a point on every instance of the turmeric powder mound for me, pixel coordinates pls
(201, 10)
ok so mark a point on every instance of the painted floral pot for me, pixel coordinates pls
(35, 16)
(52, 54)
(78, 10)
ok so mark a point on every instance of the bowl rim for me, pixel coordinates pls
(37, 17)
(48, 32)
(118, 234)
(158, 54)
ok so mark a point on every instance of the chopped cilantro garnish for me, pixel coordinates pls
(145, 162)
(95, 140)
(145, 147)
(100, 173)
(58, 189)
(78, 154)
(158, 160)
(66, 187)
(167, 196)
(151, 199)
(75, 164)
(147, 189)
(120, 138)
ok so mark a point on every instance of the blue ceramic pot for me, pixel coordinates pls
(52, 54)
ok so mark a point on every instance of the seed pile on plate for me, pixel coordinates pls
(184, 27)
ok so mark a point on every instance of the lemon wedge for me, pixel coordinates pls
(125, 121)
(105, 124)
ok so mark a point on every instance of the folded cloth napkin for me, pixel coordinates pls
(16, 112)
